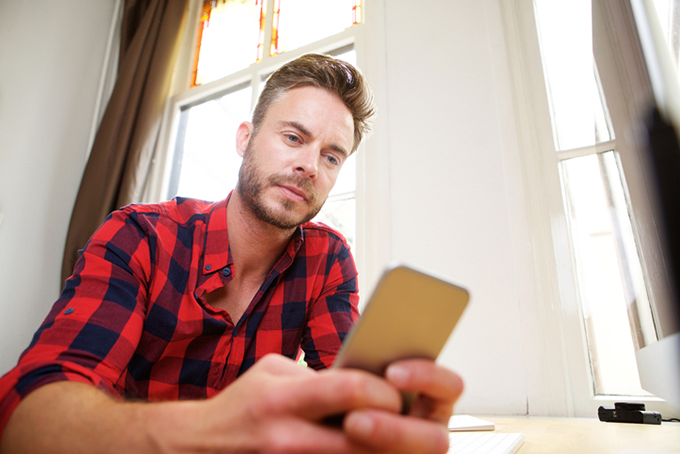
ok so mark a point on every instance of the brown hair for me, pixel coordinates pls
(321, 71)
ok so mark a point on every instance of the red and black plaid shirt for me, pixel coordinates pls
(132, 319)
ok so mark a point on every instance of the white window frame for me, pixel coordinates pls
(558, 368)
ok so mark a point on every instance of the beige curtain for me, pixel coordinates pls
(126, 139)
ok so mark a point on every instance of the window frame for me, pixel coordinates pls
(184, 95)
(373, 216)
(559, 380)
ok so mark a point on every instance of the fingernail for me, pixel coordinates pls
(398, 375)
(360, 424)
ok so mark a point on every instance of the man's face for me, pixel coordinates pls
(293, 161)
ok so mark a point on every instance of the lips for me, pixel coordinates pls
(293, 192)
(295, 189)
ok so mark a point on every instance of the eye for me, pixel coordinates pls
(292, 138)
(332, 159)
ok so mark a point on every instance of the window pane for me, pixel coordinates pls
(300, 22)
(340, 209)
(340, 213)
(231, 38)
(579, 116)
(206, 162)
(347, 180)
(614, 302)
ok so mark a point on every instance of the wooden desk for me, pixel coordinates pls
(584, 436)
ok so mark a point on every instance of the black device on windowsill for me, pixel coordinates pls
(628, 412)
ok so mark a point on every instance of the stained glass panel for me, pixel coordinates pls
(224, 23)
(300, 22)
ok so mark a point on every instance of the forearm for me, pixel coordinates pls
(276, 406)
(75, 417)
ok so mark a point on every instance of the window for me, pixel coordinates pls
(238, 44)
(595, 254)
(222, 24)
(616, 313)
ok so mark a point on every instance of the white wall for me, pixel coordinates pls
(51, 57)
(444, 133)
(444, 146)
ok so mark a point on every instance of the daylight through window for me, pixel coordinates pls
(229, 71)
(616, 313)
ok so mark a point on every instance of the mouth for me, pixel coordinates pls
(293, 193)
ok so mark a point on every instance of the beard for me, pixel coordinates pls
(252, 185)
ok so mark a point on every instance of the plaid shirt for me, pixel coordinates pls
(132, 319)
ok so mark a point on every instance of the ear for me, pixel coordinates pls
(243, 135)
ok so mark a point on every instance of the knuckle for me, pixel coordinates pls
(363, 389)
(352, 390)
(270, 403)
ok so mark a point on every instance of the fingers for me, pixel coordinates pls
(315, 395)
(427, 377)
(334, 392)
(428, 408)
(396, 434)
(292, 435)
(281, 366)
(438, 388)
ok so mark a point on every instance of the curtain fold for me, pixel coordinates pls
(121, 154)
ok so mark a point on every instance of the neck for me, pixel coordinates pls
(255, 245)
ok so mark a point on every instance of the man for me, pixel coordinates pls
(194, 307)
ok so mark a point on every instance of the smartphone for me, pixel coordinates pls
(410, 314)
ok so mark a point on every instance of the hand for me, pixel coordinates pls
(278, 406)
(438, 389)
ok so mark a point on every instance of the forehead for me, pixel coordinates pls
(316, 108)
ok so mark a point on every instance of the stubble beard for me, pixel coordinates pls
(252, 185)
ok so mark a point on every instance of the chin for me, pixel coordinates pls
(283, 218)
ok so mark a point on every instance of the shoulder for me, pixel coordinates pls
(318, 231)
(136, 221)
(178, 210)
(323, 240)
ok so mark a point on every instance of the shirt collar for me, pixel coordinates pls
(217, 256)
(216, 253)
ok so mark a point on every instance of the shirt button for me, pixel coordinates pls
(208, 267)
(226, 271)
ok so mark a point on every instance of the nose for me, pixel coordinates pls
(306, 163)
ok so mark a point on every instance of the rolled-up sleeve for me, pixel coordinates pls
(94, 327)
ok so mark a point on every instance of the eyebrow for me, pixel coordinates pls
(300, 127)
